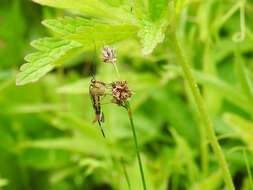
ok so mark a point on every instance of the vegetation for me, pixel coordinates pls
(188, 65)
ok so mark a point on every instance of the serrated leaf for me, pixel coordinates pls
(94, 8)
(153, 25)
(102, 34)
(48, 44)
(68, 25)
(53, 51)
(151, 34)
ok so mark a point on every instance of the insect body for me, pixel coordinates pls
(97, 92)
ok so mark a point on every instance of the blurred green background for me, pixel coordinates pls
(48, 140)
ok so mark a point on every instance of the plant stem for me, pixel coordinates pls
(116, 69)
(136, 144)
(248, 168)
(125, 173)
(202, 110)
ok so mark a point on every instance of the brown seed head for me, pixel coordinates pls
(120, 92)
(109, 55)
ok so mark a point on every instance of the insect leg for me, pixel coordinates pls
(101, 128)
(102, 118)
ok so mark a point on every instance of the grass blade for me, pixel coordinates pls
(248, 168)
(202, 110)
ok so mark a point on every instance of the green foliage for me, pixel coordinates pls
(121, 25)
(52, 52)
(48, 140)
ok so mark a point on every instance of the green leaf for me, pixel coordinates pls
(52, 51)
(94, 8)
(153, 26)
(151, 34)
(139, 9)
(157, 8)
(68, 25)
(102, 34)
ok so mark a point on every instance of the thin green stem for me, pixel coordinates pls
(136, 145)
(202, 110)
(125, 173)
(248, 168)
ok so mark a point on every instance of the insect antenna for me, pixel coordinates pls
(93, 63)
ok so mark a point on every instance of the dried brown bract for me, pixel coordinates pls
(109, 55)
(120, 92)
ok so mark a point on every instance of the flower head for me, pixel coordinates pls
(120, 92)
(109, 55)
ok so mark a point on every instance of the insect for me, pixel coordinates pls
(97, 91)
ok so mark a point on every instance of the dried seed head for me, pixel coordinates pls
(120, 92)
(109, 55)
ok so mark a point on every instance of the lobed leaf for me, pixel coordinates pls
(52, 51)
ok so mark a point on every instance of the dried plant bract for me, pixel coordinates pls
(120, 92)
